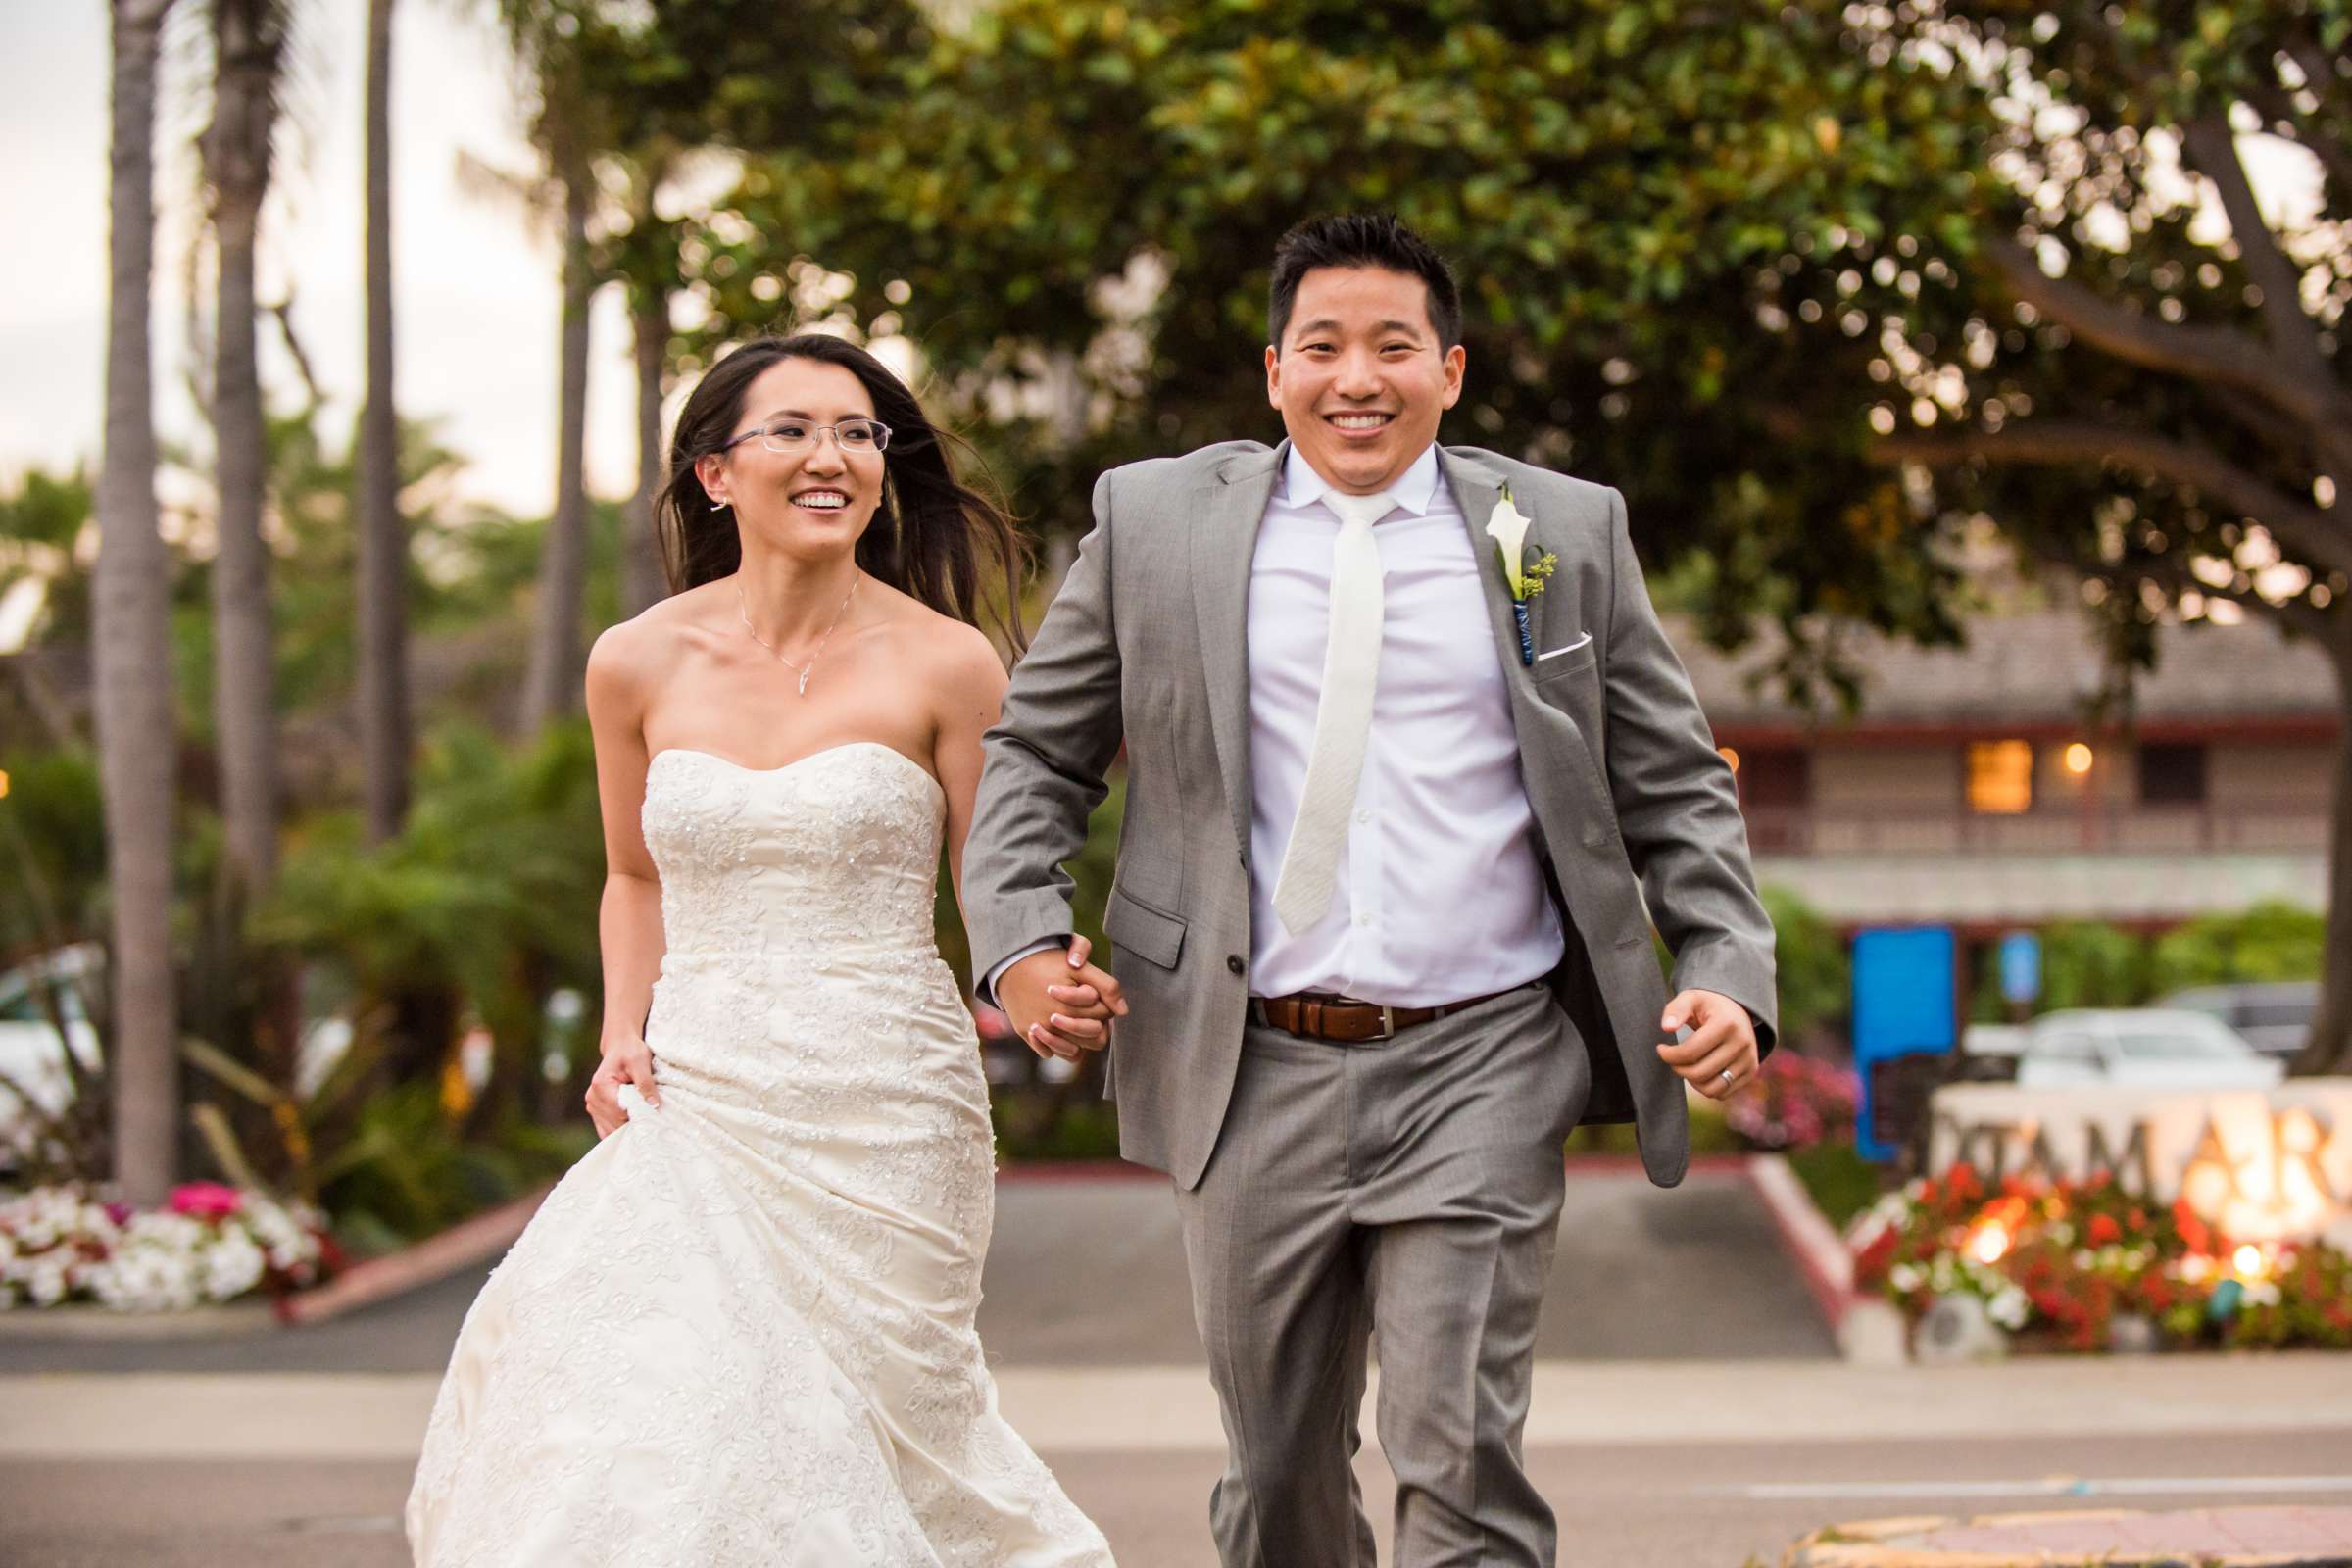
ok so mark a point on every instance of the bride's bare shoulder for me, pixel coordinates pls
(637, 652)
(955, 655)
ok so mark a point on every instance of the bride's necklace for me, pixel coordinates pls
(744, 610)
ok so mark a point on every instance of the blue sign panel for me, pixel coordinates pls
(2021, 967)
(1905, 1013)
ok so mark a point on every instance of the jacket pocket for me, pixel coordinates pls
(1136, 928)
(1565, 661)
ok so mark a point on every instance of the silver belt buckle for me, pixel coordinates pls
(1388, 1017)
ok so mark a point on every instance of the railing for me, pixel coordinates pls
(2285, 827)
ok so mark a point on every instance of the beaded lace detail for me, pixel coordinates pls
(741, 1330)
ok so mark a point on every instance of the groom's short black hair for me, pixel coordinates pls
(1362, 239)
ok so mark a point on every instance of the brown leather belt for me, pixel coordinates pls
(1319, 1015)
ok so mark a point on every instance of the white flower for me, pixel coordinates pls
(2261, 1293)
(1904, 1277)
(48, 1283)
(1506, 526)
(232, 1265)
(2009, 1309)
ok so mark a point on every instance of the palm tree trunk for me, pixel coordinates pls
(237, 149)
(2329, 1049)
(137, 736)
(552, 682)
(383, 542)
(640, 555)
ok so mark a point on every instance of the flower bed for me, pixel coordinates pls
(1796, 1103)
(2057, 1262)
(211, 1244)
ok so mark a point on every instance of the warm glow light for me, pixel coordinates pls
(1728, 756)
(1988, 1244)
(3, 783)
(2249, 1263)
(2077, 759)
(2259, 1175)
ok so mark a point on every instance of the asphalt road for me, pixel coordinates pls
(1648, 1505)
(1091, 1273)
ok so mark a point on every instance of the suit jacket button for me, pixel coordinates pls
(1233, 961)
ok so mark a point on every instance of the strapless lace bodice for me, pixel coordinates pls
(834, 855)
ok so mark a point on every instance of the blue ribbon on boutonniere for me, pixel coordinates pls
(1507, 525)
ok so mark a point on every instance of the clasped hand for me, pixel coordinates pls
(1060, 1004)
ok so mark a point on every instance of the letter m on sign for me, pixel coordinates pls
(2131, 1166)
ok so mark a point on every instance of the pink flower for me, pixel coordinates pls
(205, 1201)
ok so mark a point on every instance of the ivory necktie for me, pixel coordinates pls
(1343, 717)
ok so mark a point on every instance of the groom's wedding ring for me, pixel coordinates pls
(1726, 1077)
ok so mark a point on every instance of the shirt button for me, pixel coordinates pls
(1233, 961)
(1363, 816)
(1363, 920)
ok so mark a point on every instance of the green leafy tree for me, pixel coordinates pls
(1072, 209)
(2130, 358)
(2267, 942)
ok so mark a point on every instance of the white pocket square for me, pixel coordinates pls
(1570, 649)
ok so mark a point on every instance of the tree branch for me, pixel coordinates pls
(2212, 149)
(2197, 353)
(2193, 353)
(2319, 537)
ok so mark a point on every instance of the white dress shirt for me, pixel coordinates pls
(1440, 893)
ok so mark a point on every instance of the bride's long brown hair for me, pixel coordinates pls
(933, 534)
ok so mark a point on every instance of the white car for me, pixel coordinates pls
(2144, 1047)
(32, 1058)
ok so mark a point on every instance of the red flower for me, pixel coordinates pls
(2104, 1230)
(205, 1201)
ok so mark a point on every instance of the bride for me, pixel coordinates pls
(740, 1331)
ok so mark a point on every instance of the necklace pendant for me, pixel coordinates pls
(804, 683)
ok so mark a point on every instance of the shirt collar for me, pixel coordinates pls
(1302, 486)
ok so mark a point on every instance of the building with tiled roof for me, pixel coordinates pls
(1974, 789)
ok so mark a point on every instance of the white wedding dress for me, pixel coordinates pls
(739, 1332)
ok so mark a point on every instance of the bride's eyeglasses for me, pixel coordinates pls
(799, 435)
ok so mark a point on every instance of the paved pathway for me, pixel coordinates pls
(1684, 1504)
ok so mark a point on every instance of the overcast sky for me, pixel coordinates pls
(475, 304)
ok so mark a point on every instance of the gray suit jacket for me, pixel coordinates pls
(1145, 643)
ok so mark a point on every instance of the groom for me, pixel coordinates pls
(1379, 908)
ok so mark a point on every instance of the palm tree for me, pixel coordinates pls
(249, 45)
(383, 543)
(650, 265)
(137, 736)
(543, 32)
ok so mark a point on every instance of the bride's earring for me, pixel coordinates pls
(719, 502)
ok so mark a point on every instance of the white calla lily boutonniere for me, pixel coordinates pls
(1507, 526)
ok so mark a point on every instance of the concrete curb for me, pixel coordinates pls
(1868, 1329)
(464, 1244)
(85, 1322)
(2211, 1537)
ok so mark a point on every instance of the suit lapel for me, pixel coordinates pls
(1476, 490)
(1224, 541)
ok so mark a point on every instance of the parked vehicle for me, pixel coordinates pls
(32, 1056)
(2144, 1047)
(2272, 1016)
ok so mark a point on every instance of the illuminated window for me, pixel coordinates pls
(2000, 776)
